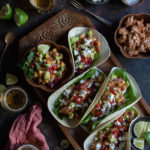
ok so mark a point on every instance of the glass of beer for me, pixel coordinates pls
(42, 5)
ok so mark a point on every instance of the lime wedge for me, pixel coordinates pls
(138, 143)
(147, 137)
(20, 17)
(144, 129)
(43, 48)
(6, 12)
(2, 88)
(138, 128)
(11, 79)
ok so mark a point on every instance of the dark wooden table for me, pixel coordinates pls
(114, 10)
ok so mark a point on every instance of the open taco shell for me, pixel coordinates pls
(90, 139)
(132, 95)
(71, 123)
(104, 47)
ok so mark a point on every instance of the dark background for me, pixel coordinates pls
(114, 10)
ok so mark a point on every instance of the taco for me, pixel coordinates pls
(114, 135)
(70, 103)
(121, 92)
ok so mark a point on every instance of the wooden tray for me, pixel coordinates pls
(56, 28)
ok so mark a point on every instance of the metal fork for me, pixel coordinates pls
(79, 6)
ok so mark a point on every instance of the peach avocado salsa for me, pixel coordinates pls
(85, 49)
(117, 94)
(114, 135)
(45, 65)
(76, 99)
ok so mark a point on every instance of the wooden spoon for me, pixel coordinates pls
(9, 39)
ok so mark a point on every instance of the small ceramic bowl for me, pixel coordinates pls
(132, 136)
(68, 61)
(146, 18)
(7, 107)
(97, 3)
(139, 2)
(27, 147)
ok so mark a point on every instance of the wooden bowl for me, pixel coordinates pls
(146, 18)
(139, 3)
(69, 64)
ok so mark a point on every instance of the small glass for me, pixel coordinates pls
(43, 5)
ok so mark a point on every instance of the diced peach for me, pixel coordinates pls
(40, 72)
(35, 74)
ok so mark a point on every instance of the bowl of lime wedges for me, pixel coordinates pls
(140, 134)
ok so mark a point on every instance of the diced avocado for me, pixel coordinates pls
(59, 74)
(70, 115)
(81, 66)
(113, 77)
(112, 138)
(83, 46)
(61, 69)
(47, 65)
(41, 56)
(90, 33)
(43, 48)
(92, 48)
(38, 67)
(126, 117)
(47, 75)
(74, 39)
(117, 96)
(72, 104)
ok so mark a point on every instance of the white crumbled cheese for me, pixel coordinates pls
(82, 93)
(76, 52)
(96, 138)
(79, 105)
(122, 138)
(76, 61)
(96, 73)
(111, 97)
(97, 84)
(67, 93)
(112, 146)
(81, 81)
(79, 58)
(103, 109)
(117, 123)
(90, 84)
(84, 53)
(123, 91)
(69, 107)
(114, 104)
(98, 146)
(63, 101)
(87, 42)
(94, 118)
(85, 105)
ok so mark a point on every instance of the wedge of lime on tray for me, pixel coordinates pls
(20, 17)
(11, 79)
(6, 12)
